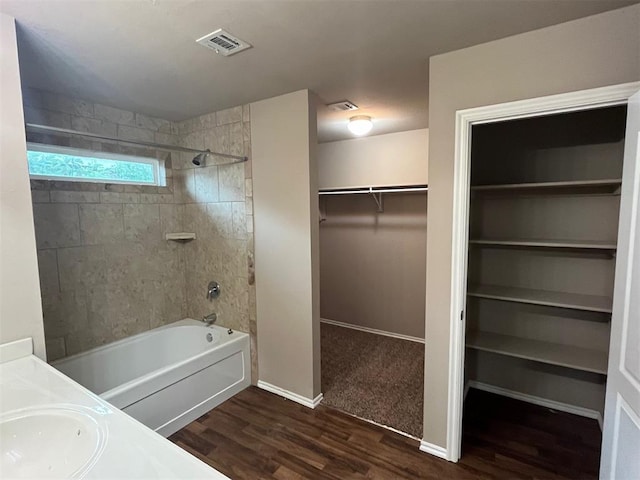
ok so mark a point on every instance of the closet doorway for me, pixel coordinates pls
(538, 198)
(372, 297)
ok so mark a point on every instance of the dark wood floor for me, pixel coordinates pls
(259, 435)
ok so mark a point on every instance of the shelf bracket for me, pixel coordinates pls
(377, 197)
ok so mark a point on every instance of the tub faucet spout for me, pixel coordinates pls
(210, 319)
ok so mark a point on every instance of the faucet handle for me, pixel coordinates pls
(213, 290)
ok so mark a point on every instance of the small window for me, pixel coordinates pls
(49, 162)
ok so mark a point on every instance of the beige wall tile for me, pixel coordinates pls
(239, 220)
(59, 103)
(94, 125)
(171, 218)
(114, 115)
(246, 113)
(116, 197)
(166, 138)
(232, 182)
(48, 271)
(47, 117)
(236, 142)
(184, 188)
(230, 115)
(101, 223)
(142, 223)
(64, 313)
(196, 220)
(126, 132)
(246, 131)
(74, 197)
(221, 217)
(219, 140)
(55, 348)
(40, 196)
(157, 198)
(194, 140)
(81, 266)
(206, 184)
(150, 123)
(56, 225)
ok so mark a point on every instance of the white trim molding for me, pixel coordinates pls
(432, 449)
(375, 331)
(464, 120)
(294, 397)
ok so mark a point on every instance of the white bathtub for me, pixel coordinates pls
(166, 377)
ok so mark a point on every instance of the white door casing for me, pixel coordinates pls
(465, 119)
(620, 458)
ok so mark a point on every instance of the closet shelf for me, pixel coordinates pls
(609, 185)
(547, 243)
(575, 301)
(375, 192)
(588, 360)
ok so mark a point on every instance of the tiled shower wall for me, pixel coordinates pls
(218, 207)
(106, 270)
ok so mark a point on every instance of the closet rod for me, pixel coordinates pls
(371, 190)
(159, 146)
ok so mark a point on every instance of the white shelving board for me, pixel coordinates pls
(576, 301)
(610, 184)
(546, 352)
(547, 243)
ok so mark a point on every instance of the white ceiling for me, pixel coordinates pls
(141, 55)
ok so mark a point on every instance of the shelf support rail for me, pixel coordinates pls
(377, 197)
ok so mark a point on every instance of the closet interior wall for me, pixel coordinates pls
(532, 245)
(373, 264)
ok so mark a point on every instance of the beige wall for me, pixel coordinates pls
(20, 309)
(286, 241)
(382, 160)
(372, 265)
(587, 53)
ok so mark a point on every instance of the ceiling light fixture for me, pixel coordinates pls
(360, 125)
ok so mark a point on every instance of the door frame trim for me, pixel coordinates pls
(464, 121)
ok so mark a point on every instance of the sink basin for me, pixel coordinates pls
(52, 442)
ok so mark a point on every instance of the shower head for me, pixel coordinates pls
(199, 159)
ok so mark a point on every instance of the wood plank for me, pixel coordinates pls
(502, 439)
(576, 301)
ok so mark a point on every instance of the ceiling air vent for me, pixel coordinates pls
(223, 42)
(344, 106)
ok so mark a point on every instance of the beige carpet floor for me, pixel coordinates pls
(373, 377)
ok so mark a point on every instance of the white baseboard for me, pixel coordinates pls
(307, 402)
(543, 402)
(432, 449)
(372, 330)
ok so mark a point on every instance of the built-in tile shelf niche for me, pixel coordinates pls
(180, 236)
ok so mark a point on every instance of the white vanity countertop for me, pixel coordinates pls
(129, 449)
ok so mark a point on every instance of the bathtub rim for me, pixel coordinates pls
(153, 374)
